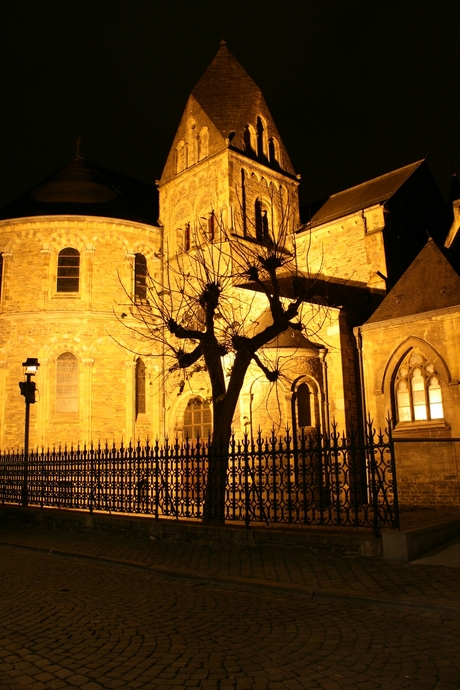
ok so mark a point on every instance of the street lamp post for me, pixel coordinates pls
(27, 388)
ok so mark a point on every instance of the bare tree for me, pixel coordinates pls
(203, 311)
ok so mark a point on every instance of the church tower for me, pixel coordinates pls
(227, 164)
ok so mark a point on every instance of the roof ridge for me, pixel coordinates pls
(414, 165)
(376, 190)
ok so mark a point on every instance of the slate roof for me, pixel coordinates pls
(226, 92)
(375, 191)
(356, 300)
(87, 189)
(431, 282)
(232, 100)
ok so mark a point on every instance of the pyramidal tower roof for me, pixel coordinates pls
(228, 101)
(226, 92)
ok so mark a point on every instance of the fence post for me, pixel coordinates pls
(373, 471)
(287, 450)
(91, 478)
(156, 469)
(247, 503)
(391, 448)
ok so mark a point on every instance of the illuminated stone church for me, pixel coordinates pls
(76, 249)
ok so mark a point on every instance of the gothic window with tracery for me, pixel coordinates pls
(418, 395)
(68, 271)
(67, 383)
(197, 420)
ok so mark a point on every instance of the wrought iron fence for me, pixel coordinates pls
(332, 480)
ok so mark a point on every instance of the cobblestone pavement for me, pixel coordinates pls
(323, 575)
(68, 623)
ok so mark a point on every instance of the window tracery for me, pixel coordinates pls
(197, 420)
(417, 389)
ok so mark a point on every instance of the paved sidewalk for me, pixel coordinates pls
(322, 577)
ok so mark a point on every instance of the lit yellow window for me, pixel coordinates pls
(418, 393)
(435, 398)
(197, 420)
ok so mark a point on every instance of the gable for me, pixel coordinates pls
(431, 282)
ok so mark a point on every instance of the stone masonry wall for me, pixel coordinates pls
(427, 473)
(37, 321)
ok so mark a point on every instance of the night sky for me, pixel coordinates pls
(357, 88)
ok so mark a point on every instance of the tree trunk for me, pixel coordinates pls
(214, 509)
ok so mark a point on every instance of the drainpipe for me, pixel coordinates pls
(362, 387)
(163, 347)
(326, 417)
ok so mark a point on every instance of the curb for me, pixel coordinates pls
(320, 596)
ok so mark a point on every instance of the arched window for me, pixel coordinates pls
(197, 420)
(249, 136)
(303, 406)
(67, 383)
(192, 143)
(140, 278)
(68, 272)
(261, 218)
(261, 138)
(273, 150)
(140, 387)
(418, 395)
(211, 227)
(187, 238)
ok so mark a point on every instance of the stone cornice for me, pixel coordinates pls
(88, 220)
(411, 318)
